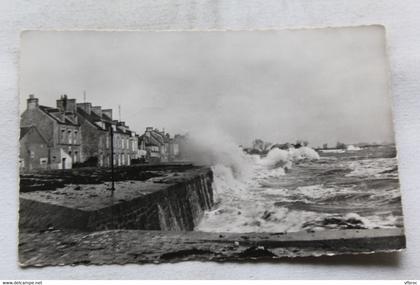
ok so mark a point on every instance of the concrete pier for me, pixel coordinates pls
(170, 201)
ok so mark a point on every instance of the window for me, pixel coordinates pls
(43, 161)
(63, 135)
(75, 136)
(70, 138)
(32, 154)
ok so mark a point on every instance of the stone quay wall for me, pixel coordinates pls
(174, 202)
(178, 207)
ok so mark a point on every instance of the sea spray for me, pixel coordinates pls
(352, 148)
(249, 196)
(213, 147)
(284, 158)
(303, 153)
(276, 158)
(240, 202)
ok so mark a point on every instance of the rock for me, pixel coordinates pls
(259, 251)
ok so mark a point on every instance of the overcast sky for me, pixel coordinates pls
(321, 85)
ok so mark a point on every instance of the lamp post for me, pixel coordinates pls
(112, 160)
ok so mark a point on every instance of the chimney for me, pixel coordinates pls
(71, 106)
(66, 105)
(87, 107)
(62, 103)
(32, 102)
(107, 112)
(97, 110)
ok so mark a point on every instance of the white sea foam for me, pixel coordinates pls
(378, 168)
(284, 158)
(246, 189)
(352, 148)
(332, 150)
(303, 153)
(242, 204)
(213, 147)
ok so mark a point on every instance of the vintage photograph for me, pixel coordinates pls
(150, 147)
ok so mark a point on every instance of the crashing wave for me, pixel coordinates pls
(303, 153)
(352, 148)
(284, 158)
(241, 204)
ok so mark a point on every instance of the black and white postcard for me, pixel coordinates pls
(150, 147)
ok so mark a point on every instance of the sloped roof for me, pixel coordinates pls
(155, 138)
(25, 130)
(94, 119)
(106, 118)
(52, 113)
(91, 118)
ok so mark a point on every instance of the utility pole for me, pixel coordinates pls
(112, 160)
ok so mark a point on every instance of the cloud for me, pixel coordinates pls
(322, 85)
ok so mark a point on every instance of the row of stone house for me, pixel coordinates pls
(159, 146)
(79, 134)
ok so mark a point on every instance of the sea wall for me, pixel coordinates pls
(176, 207)
(171, 202)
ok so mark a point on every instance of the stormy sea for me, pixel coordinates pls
(303, 189)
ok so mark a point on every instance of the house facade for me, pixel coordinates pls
(79, 134)
(152, 142)
(59, 128)
(159, 146)
(34, 149)
(95, 126)
(122, 150)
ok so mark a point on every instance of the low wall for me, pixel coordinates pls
(174, 202)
